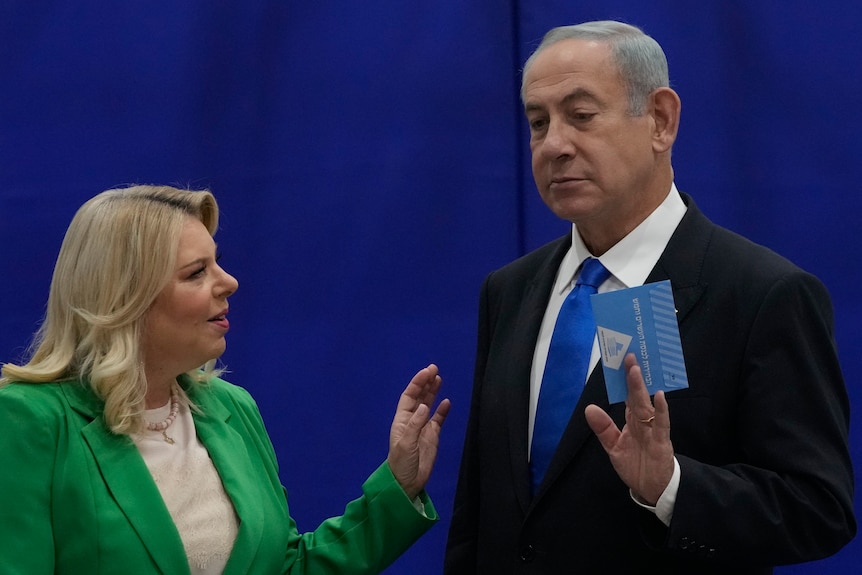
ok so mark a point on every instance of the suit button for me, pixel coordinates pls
(684, 543)
(527, 553)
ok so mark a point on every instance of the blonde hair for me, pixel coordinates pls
(118, 254)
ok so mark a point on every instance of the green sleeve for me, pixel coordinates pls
(28, 446)
(374, 531)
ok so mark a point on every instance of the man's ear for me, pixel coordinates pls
(665, 108)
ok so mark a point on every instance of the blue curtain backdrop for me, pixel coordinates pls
(371, 163)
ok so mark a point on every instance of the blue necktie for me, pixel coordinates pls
(566, 368)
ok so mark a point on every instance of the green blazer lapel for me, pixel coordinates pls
(129, 481)
(238, 474)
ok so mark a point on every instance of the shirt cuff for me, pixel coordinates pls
(419, 505)
(664, 506)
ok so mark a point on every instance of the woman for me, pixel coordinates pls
(129, 457)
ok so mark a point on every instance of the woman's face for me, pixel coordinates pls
(186, 325)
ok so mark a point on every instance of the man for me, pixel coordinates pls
(746, 468)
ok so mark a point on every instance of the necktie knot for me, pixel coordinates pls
(593, 273)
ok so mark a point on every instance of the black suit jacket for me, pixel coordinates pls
(760, 434)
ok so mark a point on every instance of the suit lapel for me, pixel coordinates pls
(518, 394)
(682, 259)
(230, 456)
(520, 358)
(129, 481)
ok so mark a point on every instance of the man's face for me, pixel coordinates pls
(591, 159)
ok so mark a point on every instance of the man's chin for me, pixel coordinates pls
(573, 209)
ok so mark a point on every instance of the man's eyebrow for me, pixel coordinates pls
(580, 94)
(531, 107)
(573, 96)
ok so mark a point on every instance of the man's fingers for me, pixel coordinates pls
(662, 415)
(638, 401)
(603, 426)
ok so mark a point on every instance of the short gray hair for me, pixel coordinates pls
(641, 61)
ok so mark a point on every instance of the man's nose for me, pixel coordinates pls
(558, 141)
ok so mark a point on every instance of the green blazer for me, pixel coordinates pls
(76, 498)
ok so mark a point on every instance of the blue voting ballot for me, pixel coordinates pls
(640, 320)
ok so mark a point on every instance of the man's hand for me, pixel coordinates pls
(641, 452)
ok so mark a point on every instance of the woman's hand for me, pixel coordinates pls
(414, 437)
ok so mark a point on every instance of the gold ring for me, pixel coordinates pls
(647, 420)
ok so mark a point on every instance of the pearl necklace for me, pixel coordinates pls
(166, 422)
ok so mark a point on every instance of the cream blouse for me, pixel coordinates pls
(191, 489)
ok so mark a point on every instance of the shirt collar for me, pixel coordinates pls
(632, 258)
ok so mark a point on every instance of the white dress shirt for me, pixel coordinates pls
(630, 261)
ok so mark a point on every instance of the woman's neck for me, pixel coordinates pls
(159, 387)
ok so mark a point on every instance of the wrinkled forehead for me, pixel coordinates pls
(571, 56)
(573, 65)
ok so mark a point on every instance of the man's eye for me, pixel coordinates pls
(538, 124)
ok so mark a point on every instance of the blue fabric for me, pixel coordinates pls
(386, 140)
(566, 367)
